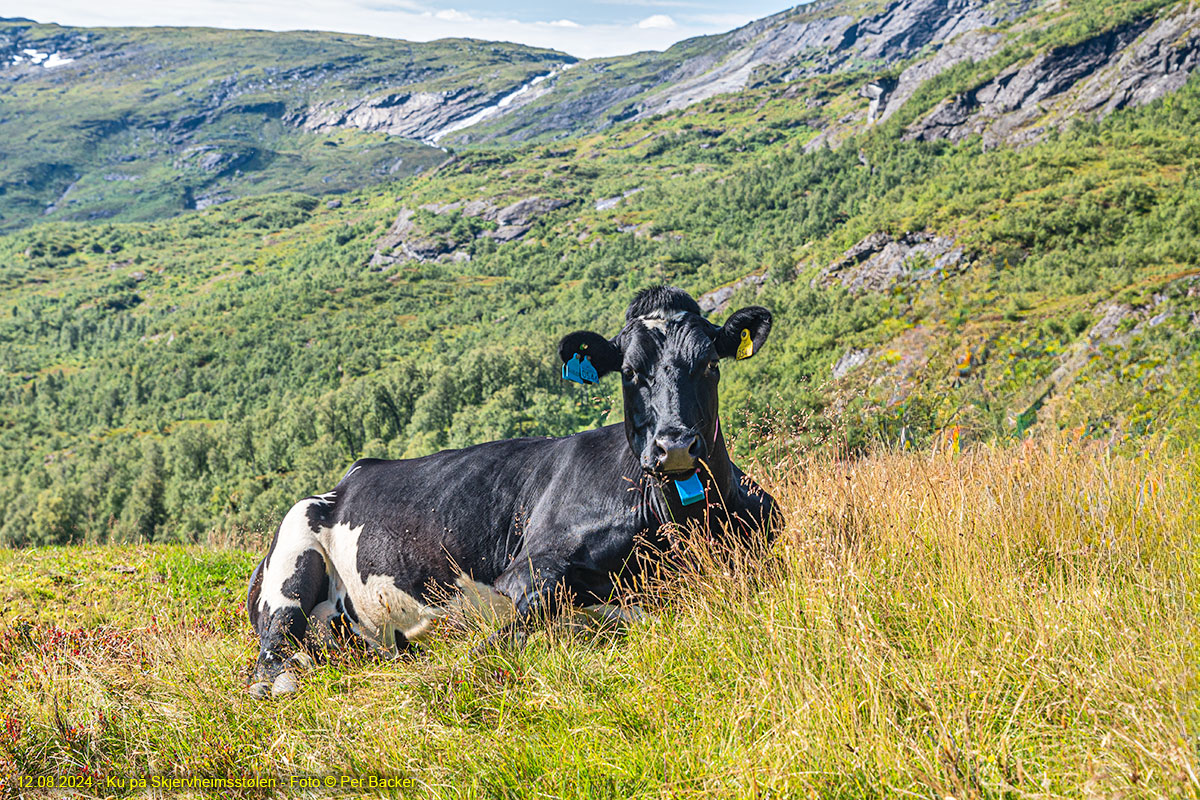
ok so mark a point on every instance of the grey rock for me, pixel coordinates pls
(332, 204)
(524, 211)
(879, 262)
(612, 202)
(971, 46)
(284, 685)
(850, 361)
(877, 92)
(717, 300)
(1157, 64)
(212, 199)
(414, 115)
(507, 233)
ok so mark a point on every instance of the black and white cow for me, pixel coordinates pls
(518, 525)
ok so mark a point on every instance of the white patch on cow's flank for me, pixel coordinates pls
(381, 607)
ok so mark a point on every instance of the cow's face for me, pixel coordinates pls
(669, 358)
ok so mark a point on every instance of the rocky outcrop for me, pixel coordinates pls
(405, 241)
(415, 115)
(815, 44)
(973, 46)
(880, 261)
(1126, 66)
(1156, 64)
(814, 39)
(717, 300)
(850, 360)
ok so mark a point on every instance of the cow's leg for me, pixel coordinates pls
(536, 586)
(291, 582)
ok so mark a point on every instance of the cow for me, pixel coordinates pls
(524, 527)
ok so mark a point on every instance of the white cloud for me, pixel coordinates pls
(563, 23)
(657, 21)
(453, 15)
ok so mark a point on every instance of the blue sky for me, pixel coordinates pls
(585, 28)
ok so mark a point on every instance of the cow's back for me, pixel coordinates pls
(431, 521)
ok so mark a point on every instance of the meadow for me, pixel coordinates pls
(1012, 620)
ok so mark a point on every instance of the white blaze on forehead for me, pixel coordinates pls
(657, 320)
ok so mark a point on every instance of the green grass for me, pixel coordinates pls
(1006, 622)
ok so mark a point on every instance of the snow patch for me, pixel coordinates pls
(47, 60)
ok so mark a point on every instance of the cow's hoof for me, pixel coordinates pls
(260, 690)
(284, 685)
(302, 661)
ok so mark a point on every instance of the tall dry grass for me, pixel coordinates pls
(1007, 622)
(1010, 620)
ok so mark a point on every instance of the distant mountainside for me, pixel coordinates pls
(141, 123)
(1130, 57)
(144, 123)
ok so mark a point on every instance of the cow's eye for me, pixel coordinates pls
(714, 366)
(629, 374)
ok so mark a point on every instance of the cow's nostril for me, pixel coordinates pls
(660, 452)
(694, 449)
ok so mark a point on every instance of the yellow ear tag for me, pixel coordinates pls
(746, 348)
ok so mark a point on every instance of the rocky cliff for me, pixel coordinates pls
(1129, 65)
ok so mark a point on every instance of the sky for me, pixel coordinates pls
(584, 28)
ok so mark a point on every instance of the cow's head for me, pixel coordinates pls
(669, 359)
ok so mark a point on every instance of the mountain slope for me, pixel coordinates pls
(143, 123)
(111, 123)
(197, 374)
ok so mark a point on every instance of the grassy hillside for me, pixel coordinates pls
(1011, 621)
(143, 123)
(164, 381)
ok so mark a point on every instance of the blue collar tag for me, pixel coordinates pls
(580, 371)
(690, 490)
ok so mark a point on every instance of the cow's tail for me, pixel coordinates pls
(254, 593)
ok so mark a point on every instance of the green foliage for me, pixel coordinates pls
(195, 376)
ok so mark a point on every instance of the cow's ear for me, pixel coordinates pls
(602, 353)
(744, 333)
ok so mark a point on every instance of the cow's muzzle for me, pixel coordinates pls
(676, 457)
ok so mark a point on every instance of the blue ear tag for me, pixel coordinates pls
(691, 490)
(570, 370)
(579, 371)
(587, 372)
